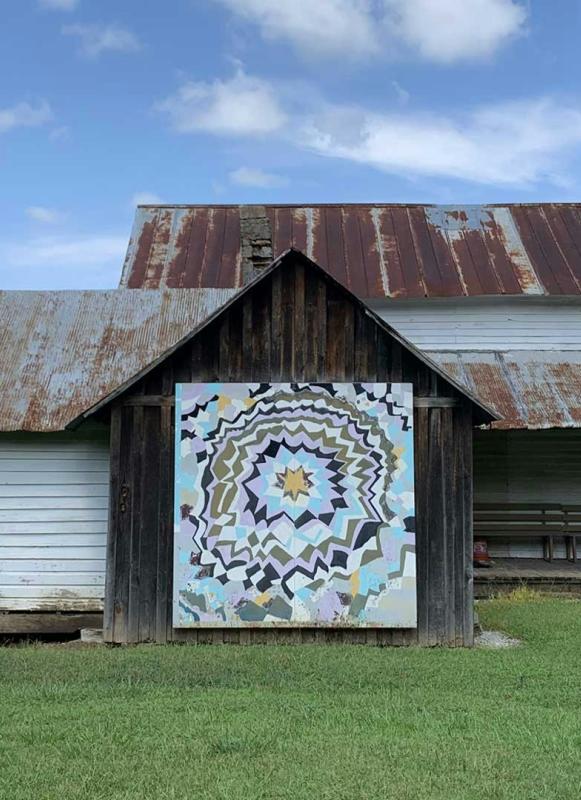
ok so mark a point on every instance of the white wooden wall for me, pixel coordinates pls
(53, 521)
(499, 323)
(527, 467)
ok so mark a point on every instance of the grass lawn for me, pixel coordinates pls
(300, 722)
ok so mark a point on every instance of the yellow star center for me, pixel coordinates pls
(294, 482)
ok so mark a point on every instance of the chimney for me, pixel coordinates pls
(255, 241)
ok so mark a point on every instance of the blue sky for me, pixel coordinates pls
(105, 103)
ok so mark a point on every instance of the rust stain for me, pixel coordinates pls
(474, 250)
(535, 390)
(69, 349)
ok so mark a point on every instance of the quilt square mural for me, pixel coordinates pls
(294, 505)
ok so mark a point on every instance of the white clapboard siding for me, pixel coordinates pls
(527, 467)
(53, 521)
(497, 323)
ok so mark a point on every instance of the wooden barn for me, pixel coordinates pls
(291, 324)
(477, 310)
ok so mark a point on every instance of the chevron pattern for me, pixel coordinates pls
(294, 505)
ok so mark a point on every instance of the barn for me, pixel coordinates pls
(477, 308)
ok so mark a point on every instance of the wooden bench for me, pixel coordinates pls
(572, 530)
(527, 520)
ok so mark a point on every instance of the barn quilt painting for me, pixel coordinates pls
(294, 505)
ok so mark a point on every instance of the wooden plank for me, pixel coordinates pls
(49, 540)
(299, 324)
(119, 586)
(311, 327)
(436, 402)
(261, 334)
(47, 623)
(466, 498)
(37, 592)
(349, 341)
(383, 366)
(66, 552)
(40, 478)
(287, 327)
(137, 467)
(148, 400)
(38, 566)
(23, 576)
(235, 368)
(437, 566)
(149, 529)
(224, 326)
(163, 600)
(18, 465)
(49, 505)
(421, 455)
(276, 312)
(335, 356)
(39, 517)
(38, 490)
(453, 520)
(247, 338)
(76, 604)
(361, 349)
(51, 529)
(322, 338)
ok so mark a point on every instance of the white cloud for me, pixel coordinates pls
(96, 39)
(48, 216)
(62, 262)
(59, 5)
(439, 30)
(328, 27)
(513, 143)
(257, 178)
(24, 115)
(453, 30)
(243, 106)
(145, 199)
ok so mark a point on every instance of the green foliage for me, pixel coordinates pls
(300, 722)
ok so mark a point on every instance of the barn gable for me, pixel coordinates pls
(293, 324)
(291, 285)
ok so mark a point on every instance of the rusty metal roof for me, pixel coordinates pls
(62, 351)
(527, 389)
(374, 250)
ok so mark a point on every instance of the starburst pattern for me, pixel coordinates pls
(294, 505)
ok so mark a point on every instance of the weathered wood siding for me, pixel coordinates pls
(294, 325)
(53, 521)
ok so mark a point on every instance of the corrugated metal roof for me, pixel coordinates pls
(374, 250)
(533, 390)
(62, 351)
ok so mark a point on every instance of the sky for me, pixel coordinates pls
(105, 104)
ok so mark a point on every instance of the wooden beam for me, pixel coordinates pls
(161, 400)
(436, 402)
(149, 400)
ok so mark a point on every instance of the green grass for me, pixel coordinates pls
(300, 722)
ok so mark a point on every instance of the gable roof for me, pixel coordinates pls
(374, 250)
(61, 352)
(483, 414)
